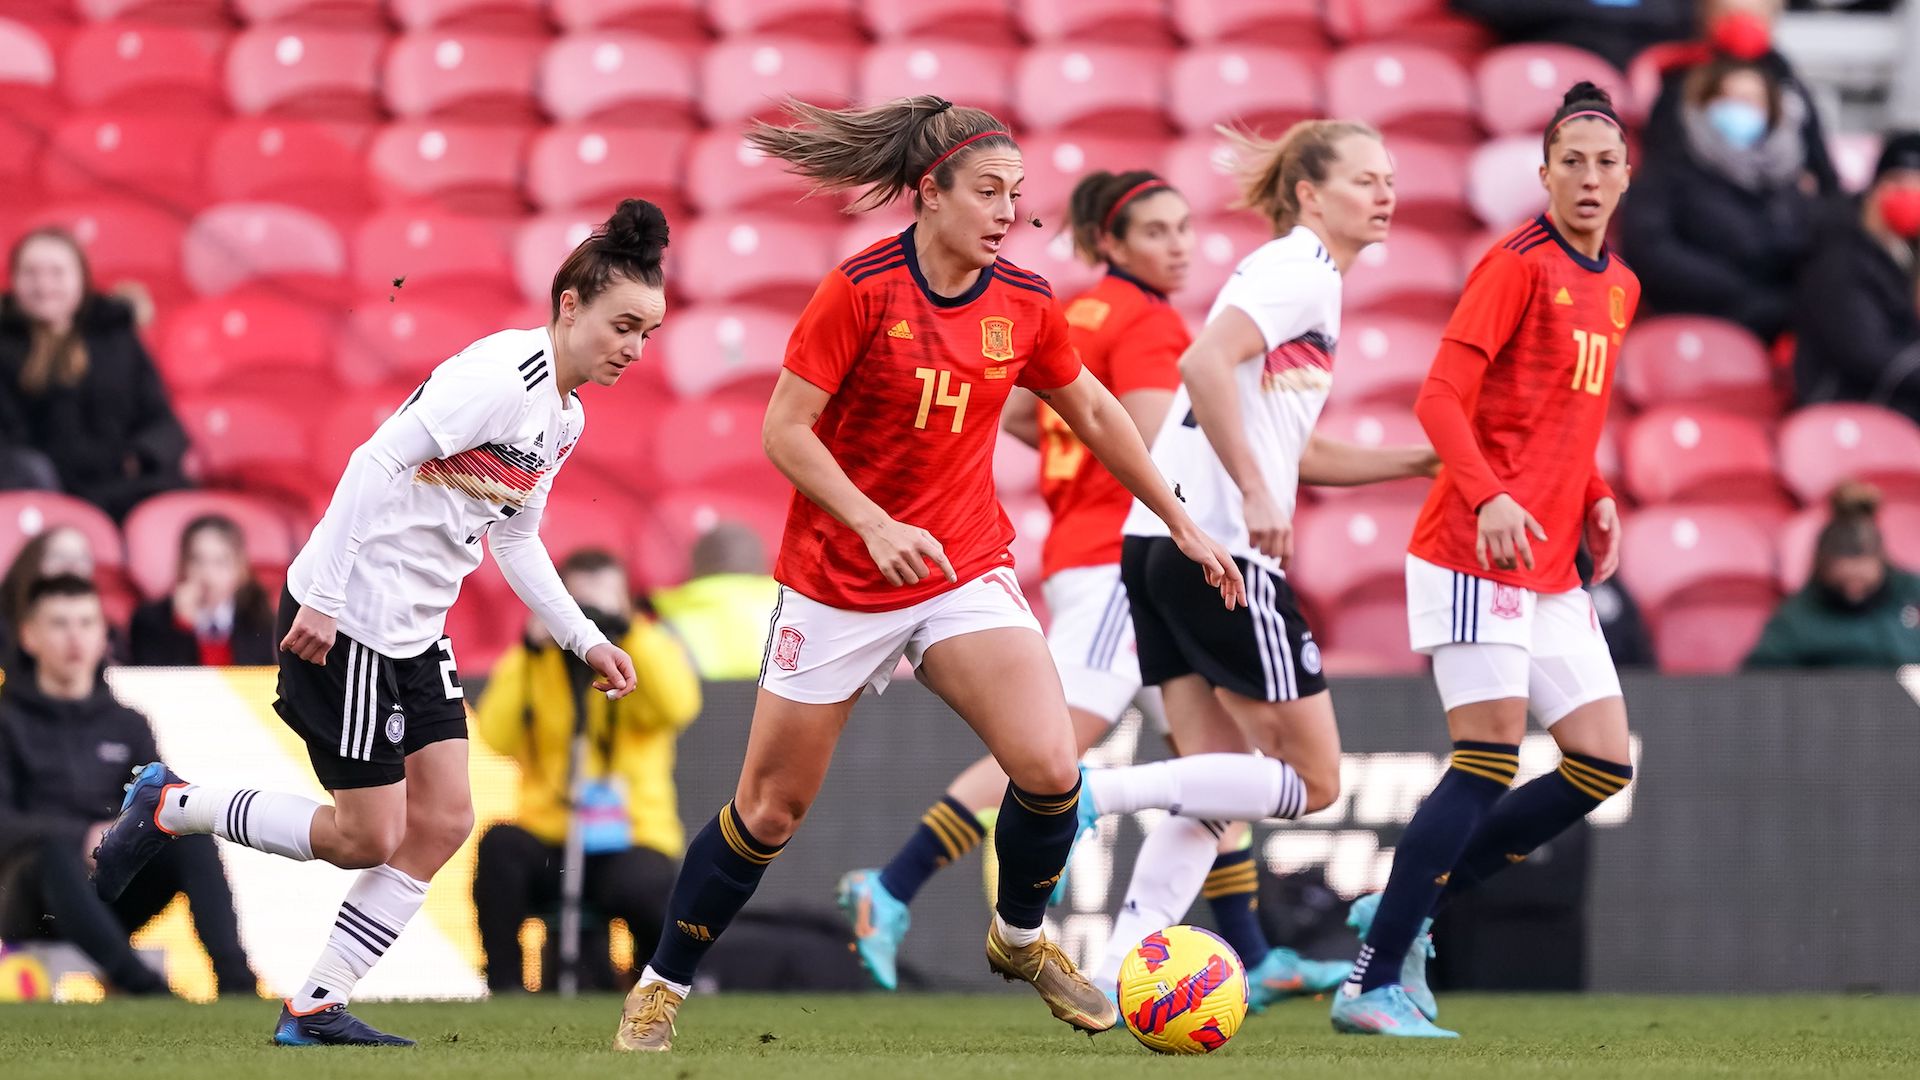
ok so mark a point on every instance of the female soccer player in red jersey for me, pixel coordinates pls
(1514, 405)
(885, 419)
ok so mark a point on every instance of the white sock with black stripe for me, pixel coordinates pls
(1215, 787)
(1168, 875)
(269, 821)
(377, 908)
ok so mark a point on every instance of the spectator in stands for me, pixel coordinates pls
(66, 745)
(77, 387)
(721, 611)
(538, 698)
(1857, 610)
(53, 552)
(1742, 30)
(1614, 29)
(1721, 223)
(1856, 318)
(217, 615)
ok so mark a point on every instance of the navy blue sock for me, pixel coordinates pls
(722, 867)
(1533, 814)
(1479, 775)
(1031, 839)
(948, 830)
(1233, 889)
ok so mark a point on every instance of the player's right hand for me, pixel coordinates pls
(311, 637)
(1215, 561)
(1504, 528)
(906, 554)
(1268, 530)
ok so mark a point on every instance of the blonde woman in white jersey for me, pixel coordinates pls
(1238, 441)
(367, 677)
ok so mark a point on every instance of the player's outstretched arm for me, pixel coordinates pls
(1331, 462)
(524, 562)
(1103, 424)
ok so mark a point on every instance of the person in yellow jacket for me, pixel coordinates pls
(722, 610)
(629, 808)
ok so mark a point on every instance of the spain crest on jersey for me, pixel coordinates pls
(1617, 306)
(996, 338)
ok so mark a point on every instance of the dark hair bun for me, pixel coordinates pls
(1854, 498)
(1587, 93)
(638, 231)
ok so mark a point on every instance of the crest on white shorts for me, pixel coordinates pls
(1506, 601)
(786, 649)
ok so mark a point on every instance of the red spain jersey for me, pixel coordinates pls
(1550, 320)
(918, 382)
(1131, 339)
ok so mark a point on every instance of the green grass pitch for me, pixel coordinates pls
(935, 1037)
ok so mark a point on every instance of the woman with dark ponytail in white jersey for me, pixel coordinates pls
(368, 677)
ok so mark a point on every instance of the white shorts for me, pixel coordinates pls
(1491, 641)
(1091, 638)
(818, 655)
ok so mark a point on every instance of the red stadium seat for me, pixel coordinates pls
(1016, 466)
(744, 78)
(1414, 272)
(1055, 163)
(1899, 528)
(1430, 187)
(256, 441)
(710, 348)
(542, 243)
(319, 74)
(201, 13)
(593, 165)
(1291, 24)
(1352, 551)
(154, 528)
(1702, 456)
(1521, 85)
(1126, 22)
(725, 172)
(678, 20)
(313, 164)
(26, 57)
(1117, 90)
(1503, 183)
(125, 240)
(244, 338)
(580, 516)
(151, 156)
(26, 514)
(351, 415)
(463, 168)
(621, 77)
(489, 16)
(679, 517)
(725, 428)
(403, 342)
(1383, 358)
(1050, 254)
(236, 243)
(1428, 22)
(22, 146)
(432, 255)
(831, 20)
(327, 14)
(480, 78)
(1824, 445)
(727, 256)
(1263, 88)
(485, 621)
(618, 447)
(987, 22)
(979, 75)
(1031, 523)
(1218, 246)
(1403, 89)
(158, 68)
(1684, 359)
(1370, 425)
(1704, 577)
(1201, 166)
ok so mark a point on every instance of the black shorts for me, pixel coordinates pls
(1264, 651)
(362, 713)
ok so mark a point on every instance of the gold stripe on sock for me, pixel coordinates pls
(1487, 757)
(968, 832)
(1613, 782)
(1231, 874)
(741, 844)
(943, 833)
(1504, 779)
(1583, 785)
(1043, 807)
(1213, 890)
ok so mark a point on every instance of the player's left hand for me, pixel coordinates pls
(1222, 572)
(1603, 539)
(615, 669)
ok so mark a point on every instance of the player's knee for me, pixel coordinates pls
(771, 816)
(361, 846)
(1322, 783)
(441, 829)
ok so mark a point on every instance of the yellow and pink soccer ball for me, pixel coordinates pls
(23, 977)
(1183, 991)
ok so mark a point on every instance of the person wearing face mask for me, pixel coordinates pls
(217, 615)
(629, 811)
(1855, 316)
(81, 403)
(1857, 610)
(1722, 224)
(1738, 30)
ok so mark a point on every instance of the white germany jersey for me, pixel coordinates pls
(502, 430)
(1290, 288)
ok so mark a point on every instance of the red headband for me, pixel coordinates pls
(957, 147)
(1133, 193)
(1555, 129)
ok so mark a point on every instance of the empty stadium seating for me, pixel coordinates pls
(1261, 87)
(26, 514)
(1108, 89)
(153, 535)
(1822, 445)
(1403, 89)
(1383, 358)
(306, 71)
(1681, 359)
(629, 78)
(1704, 579)
(316, 164)
(1520, 85)
(1702, 455)
(484, 78)
(156, 67)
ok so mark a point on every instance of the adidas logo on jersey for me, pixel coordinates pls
(901, 330)
(539, 438)
(1563, 296)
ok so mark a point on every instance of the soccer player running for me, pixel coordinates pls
(885, 419)
(1514, 405)
(1238, 440)
(367, 676)
(1140, 229)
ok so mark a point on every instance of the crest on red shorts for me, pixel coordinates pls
(786, 649)
(1506, 601)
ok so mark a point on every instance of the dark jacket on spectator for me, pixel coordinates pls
(1812, 629)
(1615, 31)
(113, 438)
(1665, 132)
(1859, 332)
(158, 640)
(63, 764)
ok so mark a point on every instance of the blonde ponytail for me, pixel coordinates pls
(1269, 171)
